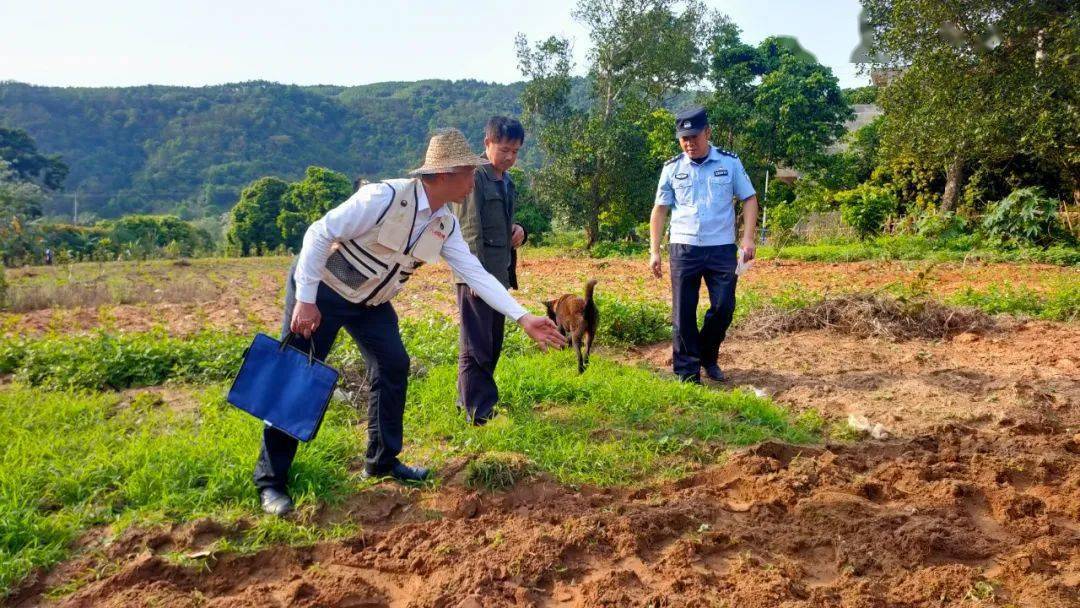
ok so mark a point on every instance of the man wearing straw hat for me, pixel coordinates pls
(353, 261)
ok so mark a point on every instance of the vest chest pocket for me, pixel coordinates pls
(343, 271)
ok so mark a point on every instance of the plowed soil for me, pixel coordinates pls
(972, 499)
(955, 516)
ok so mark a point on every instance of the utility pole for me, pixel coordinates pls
(75, 214)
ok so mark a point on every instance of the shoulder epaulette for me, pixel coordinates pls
(672, 159)
(727, 153)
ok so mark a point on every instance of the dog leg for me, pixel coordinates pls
(577, 347)
(589, 336)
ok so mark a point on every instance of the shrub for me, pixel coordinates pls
(865, 208)
(633, 322)
(1025, 217)
(941, 225)
(607, 249)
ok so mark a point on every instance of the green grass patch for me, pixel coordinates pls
(1060, 304)
(70, 461)
(74, 460)
(905, 247)
(110, 360)
(612, 425)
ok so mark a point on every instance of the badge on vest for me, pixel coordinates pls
(682, 175)
(720, 172)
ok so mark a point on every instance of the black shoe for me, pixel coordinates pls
(691, 379)
(480, 420)
(715, 373)
(275, 502)
(401, 472)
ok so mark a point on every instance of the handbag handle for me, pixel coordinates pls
(310, 350)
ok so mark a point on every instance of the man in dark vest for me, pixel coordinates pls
(487, 225)
(354, 260)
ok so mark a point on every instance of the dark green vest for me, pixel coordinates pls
(486, 218)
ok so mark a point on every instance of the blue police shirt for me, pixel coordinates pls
(703, 212)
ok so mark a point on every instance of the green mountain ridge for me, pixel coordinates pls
(190, 150)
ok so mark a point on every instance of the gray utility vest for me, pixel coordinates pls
(373, 267)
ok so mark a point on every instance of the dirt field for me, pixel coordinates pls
(246, 294)
(972, 498)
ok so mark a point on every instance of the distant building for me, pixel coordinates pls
(881, 77)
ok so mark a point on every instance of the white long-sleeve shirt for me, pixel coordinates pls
(359, 214)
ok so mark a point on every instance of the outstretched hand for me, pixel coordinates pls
(543, 331)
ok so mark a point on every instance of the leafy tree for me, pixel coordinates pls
(600, 173)
(982, 81)
(146, 234)
(309, 199)
(254, 218)
(798, 111)
(22, 156)
(861, 95)
(530, 212)
(18, 198)
(773, 103)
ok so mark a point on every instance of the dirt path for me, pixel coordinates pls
(973, 501)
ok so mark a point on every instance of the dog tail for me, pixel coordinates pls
(589, 290)
(589, 304)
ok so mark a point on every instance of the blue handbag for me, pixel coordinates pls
(283, 386)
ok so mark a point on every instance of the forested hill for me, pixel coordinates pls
(190, 150)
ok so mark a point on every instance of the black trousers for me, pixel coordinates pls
(376, 332)
(480, 342)
(692, 348)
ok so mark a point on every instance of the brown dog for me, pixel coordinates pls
(577, 319)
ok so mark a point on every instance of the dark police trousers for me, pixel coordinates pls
(375, 329)
(692, 348)
(480, 342)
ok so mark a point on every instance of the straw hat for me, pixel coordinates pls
(448, 149)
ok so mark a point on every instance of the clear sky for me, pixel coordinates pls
(200, 42)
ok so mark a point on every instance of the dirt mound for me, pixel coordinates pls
(872, 316)
(956, 516)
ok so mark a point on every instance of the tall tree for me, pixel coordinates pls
(254, 218)
(982, 81)
(309, 199)
(773, 103)
(599, 171)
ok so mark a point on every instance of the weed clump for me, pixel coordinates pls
(496, 471)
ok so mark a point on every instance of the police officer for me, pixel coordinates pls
(699, 186)
(354, 260)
